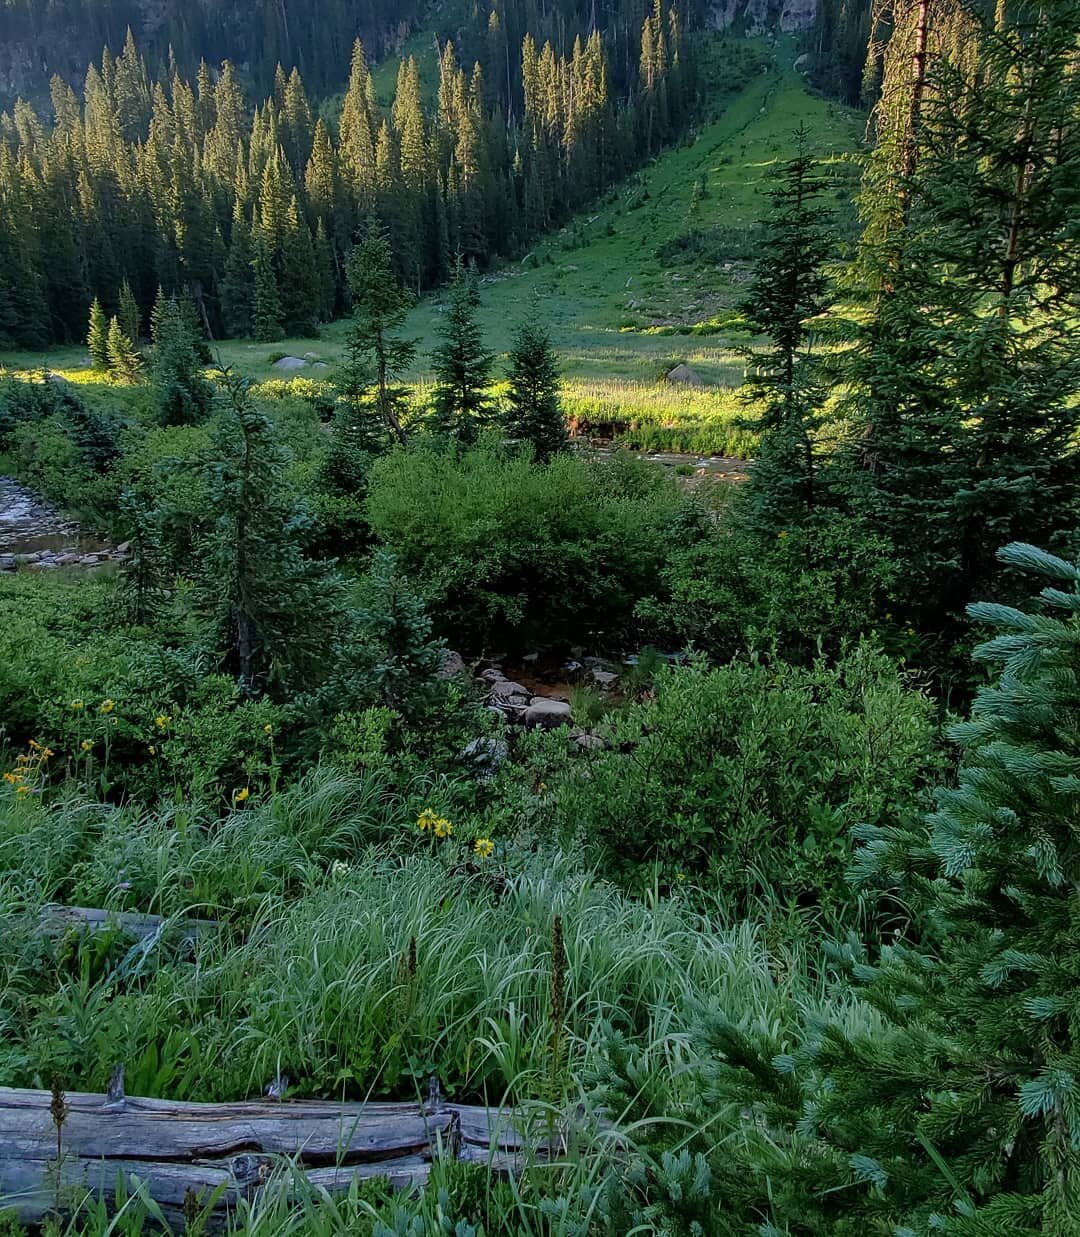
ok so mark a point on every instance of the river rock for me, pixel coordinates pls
(604, 679)
(545, 714)
(493, 674)
(486, 755)
(7, 562)
(507, 689)
(453, 665)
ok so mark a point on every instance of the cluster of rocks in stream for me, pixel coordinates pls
(36, 536)
(518, 706)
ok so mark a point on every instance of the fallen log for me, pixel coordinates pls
(57, 920)
(179, 1151)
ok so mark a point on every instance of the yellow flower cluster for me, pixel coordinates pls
(162, 721)
(28, 766)
(430, 821)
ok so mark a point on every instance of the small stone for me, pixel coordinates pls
(487, 754)
(604, 679)
(507, 689)
(589, 742)
(545, 714)
(492, 675)
(123, 547)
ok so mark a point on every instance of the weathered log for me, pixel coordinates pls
(56, 920)
(175, 1149)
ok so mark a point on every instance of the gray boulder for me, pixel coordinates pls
(289, 364)
(545, 714)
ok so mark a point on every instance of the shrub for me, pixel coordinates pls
(509, 550)
(749, 777)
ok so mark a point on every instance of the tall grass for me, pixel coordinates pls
(663, 417)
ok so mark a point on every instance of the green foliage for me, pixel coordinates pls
(747, 779)
(182, 393)
(504, 548)
(534, 411)
(272, 612)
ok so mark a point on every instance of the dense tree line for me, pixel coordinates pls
(175, 185)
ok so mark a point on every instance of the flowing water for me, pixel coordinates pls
(34, 534)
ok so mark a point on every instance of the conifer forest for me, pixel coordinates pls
(540, 618)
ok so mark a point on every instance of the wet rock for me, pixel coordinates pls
(507, 689)
(545, 714)
(7, 562)
(604, 679)
(492, 675)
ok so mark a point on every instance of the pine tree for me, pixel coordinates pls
(273, 615)
(182, 393)
(379, 310)
(462, 365)
(964, 370)
(130, 315)
(789, 289)
(238, 282)
(97, 338)
(124, 364)
(534, 413)
(266, 311)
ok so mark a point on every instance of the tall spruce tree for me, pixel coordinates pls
(533, 410)
(182, 392)
(461, 363)
(125, 366)
(964, 373)
(97, 337)
(789, 289)
(267, 315)
(380, 306)
(273, 615)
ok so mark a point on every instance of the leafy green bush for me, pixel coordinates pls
(508, 550)
(749, 778)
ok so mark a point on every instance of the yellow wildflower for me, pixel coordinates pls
(484, 847)
(241, 796)
(161, 721)
(107, 706)
(78, 704)
(268, 729)
(426, 820)
(35, 746)
(152, 750)
(781, 534)
(47, 753)
(443, 828)
(12, 778)
(22, 790)
(86, 745)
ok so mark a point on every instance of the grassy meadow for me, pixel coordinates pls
(649, 279)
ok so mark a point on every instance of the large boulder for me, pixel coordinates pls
(453, 665)
(545, 714)
(683, 375)
(289, 364)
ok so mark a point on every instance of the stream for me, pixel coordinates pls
(34, 534)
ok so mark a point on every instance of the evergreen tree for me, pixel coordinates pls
(182, 393)
(97, 338)
(789, 289)
(964, 371)
(462, 365)
(238, 284)
(958, 1112)
(534, 413)
(380, 306)
(124, 364)
(273, 614)
(130, 315)
(266, 310)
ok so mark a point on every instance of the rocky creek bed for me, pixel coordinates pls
(35, 535)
